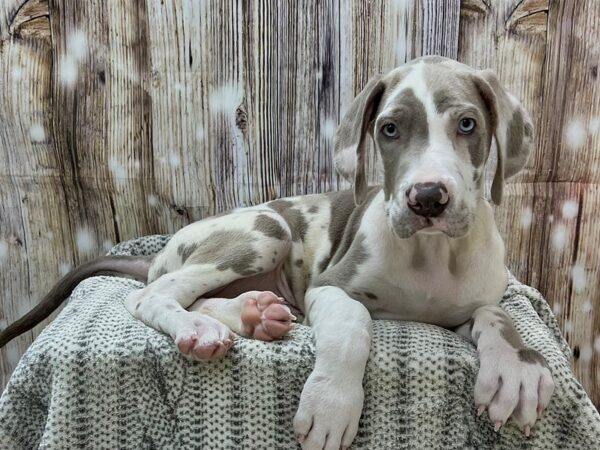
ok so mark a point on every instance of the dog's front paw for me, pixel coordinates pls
(515, 383)
(329, 412)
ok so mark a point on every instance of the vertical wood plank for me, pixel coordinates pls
(33, 224)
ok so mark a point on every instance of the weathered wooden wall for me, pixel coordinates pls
(125, 118)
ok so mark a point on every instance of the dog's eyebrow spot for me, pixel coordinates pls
(443, 101)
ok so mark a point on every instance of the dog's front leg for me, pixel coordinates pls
(332, 398)
(513, 380)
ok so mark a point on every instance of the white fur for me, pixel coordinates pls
(332, 397)
(505, 385)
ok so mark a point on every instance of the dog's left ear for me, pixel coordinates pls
(350, 146)
(512, 129)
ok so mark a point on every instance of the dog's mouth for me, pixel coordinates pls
(408, 223)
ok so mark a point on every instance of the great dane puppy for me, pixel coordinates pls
(422, 247)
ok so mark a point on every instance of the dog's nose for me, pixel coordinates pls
(427, 199)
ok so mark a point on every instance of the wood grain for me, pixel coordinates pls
(179, 110)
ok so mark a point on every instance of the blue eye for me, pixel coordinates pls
(390, 130)
(466, 125)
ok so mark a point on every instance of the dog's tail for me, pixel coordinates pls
(133, 266)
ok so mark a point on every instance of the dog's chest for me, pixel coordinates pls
(433, 288)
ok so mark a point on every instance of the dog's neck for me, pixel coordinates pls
(424, 250)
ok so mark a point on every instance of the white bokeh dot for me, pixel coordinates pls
(37, 133)
(17, 73)
(526, 217)
(86, 241)
(107, 245)
(77, 45)
(174, 159)
(119, 172)
(68, 70)
(575, 134)
(64, 268)
(152, 200)
(558, 237)
(578, 277)
(586, 353)
(570, 209)
(328, 129)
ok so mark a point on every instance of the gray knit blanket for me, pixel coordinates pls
(97, 378)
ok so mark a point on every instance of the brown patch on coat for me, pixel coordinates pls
(269, 227)
(508, 331)
(477, 150)
(531, 356)
(228, 250)
(185, 250)
(293, 216)
(342, 272)
(514, 134)
(413, 130)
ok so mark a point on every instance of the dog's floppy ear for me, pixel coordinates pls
(350, 146)
(512, 129)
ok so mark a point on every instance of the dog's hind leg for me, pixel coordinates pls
(233, 251)
(261, 315)
(162, 305)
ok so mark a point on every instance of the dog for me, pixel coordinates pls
(421, 247)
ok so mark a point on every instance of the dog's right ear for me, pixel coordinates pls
(350, 147)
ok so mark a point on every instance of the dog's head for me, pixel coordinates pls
(432, 121)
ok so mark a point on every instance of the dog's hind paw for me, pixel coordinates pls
(202, 338)
(265, 316)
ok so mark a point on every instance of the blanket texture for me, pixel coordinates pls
(97, 378)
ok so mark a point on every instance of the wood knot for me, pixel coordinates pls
(32, 20)
(179, 210)
(241, 119)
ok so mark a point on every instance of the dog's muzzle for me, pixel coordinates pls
(427, 199)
